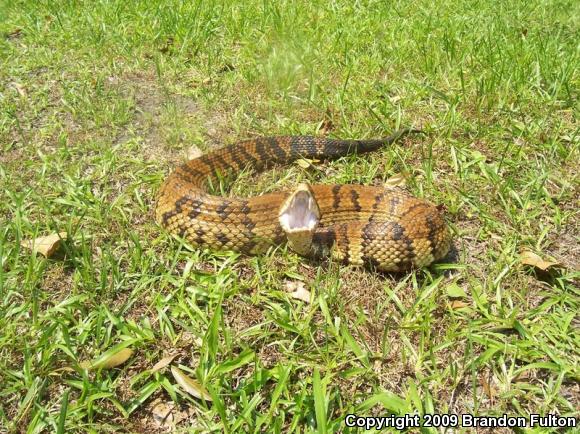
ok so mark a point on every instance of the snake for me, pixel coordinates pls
(378, 227)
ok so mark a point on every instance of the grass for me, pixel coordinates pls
(99, 100)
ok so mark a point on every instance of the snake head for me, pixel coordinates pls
(299, 216)
(300, 211)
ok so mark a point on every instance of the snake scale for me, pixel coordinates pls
(377, 227)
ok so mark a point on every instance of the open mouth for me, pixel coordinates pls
(300, 211)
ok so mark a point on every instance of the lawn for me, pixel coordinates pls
(100, 100)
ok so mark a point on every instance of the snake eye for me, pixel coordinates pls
(300, 211)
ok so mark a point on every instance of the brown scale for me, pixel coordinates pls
(376, 227)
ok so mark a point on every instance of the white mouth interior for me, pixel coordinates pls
(300, 213)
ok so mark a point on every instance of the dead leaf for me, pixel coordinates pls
(194, 152)
(162, 414)
(14, 33)
(458, 304)
(398, 180)
(166, 414)
(164, 362)
(46, 246)
(190, 385)
(530, 258)
(19, 88)
(524, 376)
(297, 290)
(108, 361)
(326, 125)
(304, 163)
(488, 388)
(188, 339)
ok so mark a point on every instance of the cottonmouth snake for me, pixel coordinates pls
(378, 227)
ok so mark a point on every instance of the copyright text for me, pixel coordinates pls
(445, 420)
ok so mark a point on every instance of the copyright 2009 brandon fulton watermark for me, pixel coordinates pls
(449, 420)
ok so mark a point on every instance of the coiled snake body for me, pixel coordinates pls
(378, 227)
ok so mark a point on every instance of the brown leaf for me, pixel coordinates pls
(19, 88)
(458, 304)
(530, 258)
(162, 414)
(46, 246)
(190, 385)
(488, 388)
(14, 33)
(194, 152)
(398, 180)
(164, 362)
(326, 125)
(523, 376)
(297, 290)
(108, 361)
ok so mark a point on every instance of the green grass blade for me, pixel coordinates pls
(319, 402)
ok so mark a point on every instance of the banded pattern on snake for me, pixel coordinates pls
(378, 227)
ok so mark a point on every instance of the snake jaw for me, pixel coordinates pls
(299, 217)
